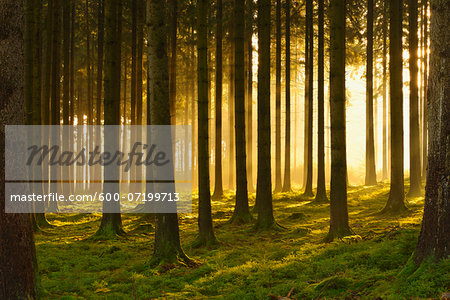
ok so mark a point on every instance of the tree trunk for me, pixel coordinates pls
(231, 149)
(339, 226)
(167, 247)
(218, 181)
(384, 90)
(278, 186)
(414, 143)
(396, 201)
(206, 232)
(111, 224)
(249, 25)
(321, 195)
(55, 100)
(434, 240)
(264, 208)
(173, 59)
(287, 145)
(101, 37)
(425, 100)
(18, 272)
(241, 211)
(371, 175)
(309, 98)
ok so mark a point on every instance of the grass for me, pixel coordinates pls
(247, 264)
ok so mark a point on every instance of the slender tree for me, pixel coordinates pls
(425, 87)
(55, 101)
(414, 142)
(309, 63)
(278, 186)
(111, 224)
(384, 90)
(434, 240)
(167, 247)
(287, 145)
(371, 175)
(339, 226)
(263, 204)
(321, 195)
(48, 65)
(206, 232)
(241, 212)
(18, 272)
(100, 41)
(173, 58)
(249, 31)
(396, 201)
(218, 181)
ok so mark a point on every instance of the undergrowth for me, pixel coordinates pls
(247, 264)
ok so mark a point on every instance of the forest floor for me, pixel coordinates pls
(375, 262)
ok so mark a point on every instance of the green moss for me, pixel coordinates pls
(247, 264)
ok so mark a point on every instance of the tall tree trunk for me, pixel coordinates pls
(66, 60)
(339, 226)
(111, 224)
(218, 181)
(434, 240)
(139, 82)
(55, 101)
(371, 175)
(231, 149)
(173, 59)
(264, 207)
(101, 37)
(206, 232)
(241, 211)
(48, 65)
(396, 201)
(287, 145)
(414, 143)
(425, 100)
(139, 52)
(18, 272)
(384, 91)
(167, 247)
(249, 31)
(321, 195)
(278, 186)
(72, 63)
(310, 78)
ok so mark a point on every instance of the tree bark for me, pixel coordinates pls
(111, 224)
(425, 100)
(371, 175)
(384, 91)
(396, 201)
(287, 145)
(309, 95)
(173, 59)
(249, 31)
(167, 247)
(264, 208)
(278, 186)
(414, 143)
(321, 195)
(241, 211)
(339, 226)
(218, 180)
(434, 240)
(206, 232)
(18, 270)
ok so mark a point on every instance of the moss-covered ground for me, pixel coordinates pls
(375, 262)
